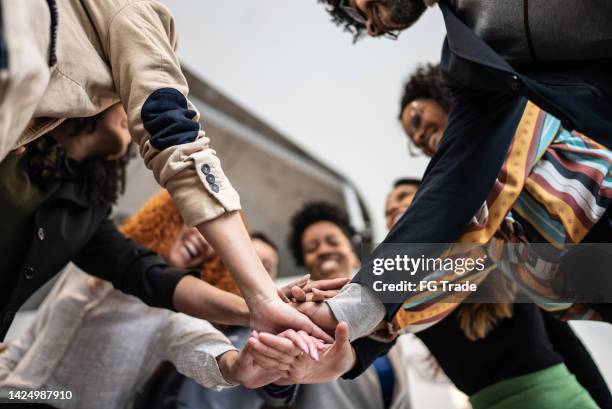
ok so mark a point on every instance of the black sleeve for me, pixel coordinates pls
(132, 269)
(578, 360)
(481, 127)
(367, 351)
(278, 396)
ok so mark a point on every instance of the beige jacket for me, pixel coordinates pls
(123, 50)
(103, 345)
(25, 34)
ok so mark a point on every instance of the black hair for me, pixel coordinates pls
(407, 11)
(101, 180)
(407, 181)
(263, 237)
(426, 82)
(310, 214)
(342, 19)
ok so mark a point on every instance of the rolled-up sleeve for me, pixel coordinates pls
(140, 45)
(193, 346)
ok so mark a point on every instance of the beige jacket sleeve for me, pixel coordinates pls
(139, 42)
(193, 346)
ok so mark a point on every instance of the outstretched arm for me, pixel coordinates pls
(269, 313)
(139, 41)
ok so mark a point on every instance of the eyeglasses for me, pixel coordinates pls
(353, 13)
(359, 18)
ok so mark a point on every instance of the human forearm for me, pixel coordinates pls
(230, 239)
(199, 299)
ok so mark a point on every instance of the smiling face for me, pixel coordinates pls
(398, 202)
(327, 252)
(424, 121)
(387, 16)
(190, 249)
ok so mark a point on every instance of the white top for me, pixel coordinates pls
(103, 345)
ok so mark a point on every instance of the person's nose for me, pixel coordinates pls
(419, 137)
(324, 250)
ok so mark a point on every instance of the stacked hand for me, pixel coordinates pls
(296, 356)
(335, 360)
(274, 315)
(260, 364)
(303, 289)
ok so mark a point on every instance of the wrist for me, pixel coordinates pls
(226, 362)
(244, 314)
(261, 298)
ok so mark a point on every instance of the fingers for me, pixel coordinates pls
(317, 332)
(262, 348)
(253, 348)
(298, 294)
(285, 291)
(301, 339)
(331, 284)
(283, 343)
(302, 281)
(313, 351)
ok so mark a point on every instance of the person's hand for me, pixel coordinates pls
(275, 316)
(335, 360)
(303, 289)
(252, 369)
(318, 291)
(319, 313)
(285, 292)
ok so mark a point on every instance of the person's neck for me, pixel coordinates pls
(430, 3)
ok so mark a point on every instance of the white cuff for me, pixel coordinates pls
(359, 308)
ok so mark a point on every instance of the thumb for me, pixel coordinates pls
(342, 334)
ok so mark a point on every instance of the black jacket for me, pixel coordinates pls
(489, 97)
(67, 228)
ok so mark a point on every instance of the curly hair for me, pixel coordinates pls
(407, 11)
(341, 19)
(425, 82)
(310, 214)
(102, 181)
(156, 226)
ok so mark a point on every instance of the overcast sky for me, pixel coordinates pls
(285, 62)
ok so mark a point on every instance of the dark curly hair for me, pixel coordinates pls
(406, 11)
(340, 18)
(426, 82)
(101, 180)
(310, 214)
